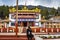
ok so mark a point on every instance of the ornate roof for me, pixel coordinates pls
(24, 9)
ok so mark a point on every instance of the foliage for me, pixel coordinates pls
(45, 13)
(54, 37)
(49, 36)
(4, 11)
(58, 37)
(58, 11)
(52, 12)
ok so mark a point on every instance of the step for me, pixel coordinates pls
(10, 37)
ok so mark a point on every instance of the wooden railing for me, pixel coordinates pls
(34, 30)
(7, 30)
(43, 30)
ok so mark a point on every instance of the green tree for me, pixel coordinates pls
(52, 12)
(5, 10)
(58, 11)
(45, 13)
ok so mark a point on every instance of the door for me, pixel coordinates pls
(25, 24)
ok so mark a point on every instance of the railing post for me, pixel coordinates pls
(35, 30)
(44, 24)
(52, 29)
(57, 30)
(1, 30)
(13, 30)
(40, 29)
(7, 29)
(46, 29)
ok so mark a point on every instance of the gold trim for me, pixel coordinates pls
(25, 9)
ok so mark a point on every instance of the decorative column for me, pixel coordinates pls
(52, 29)
(5, 24)
(57, 30)
(0, 25)
(21, 28)
(44, 25)
(49, 25)
(52, 25)
(21, 24)
(40, 30)
(59, 25)
(27, 23)
(46, 30)
(33, 24)
(56, 25)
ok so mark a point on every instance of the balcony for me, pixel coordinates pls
(26, 16)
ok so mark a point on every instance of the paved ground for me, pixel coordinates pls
(51, 39)
(11, 37)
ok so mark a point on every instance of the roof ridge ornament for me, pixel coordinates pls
(25, 7)
(12, 10)
(37, 9)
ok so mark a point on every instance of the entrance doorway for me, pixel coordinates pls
(25, 24)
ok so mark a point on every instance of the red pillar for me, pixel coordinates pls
(16, 24)
(33, 24)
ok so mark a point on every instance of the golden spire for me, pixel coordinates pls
(25, 2)
(25, 8)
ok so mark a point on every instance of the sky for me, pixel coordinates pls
(47, 3)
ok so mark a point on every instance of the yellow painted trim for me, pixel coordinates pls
(25, 9)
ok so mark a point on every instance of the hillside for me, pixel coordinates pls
(32, 7)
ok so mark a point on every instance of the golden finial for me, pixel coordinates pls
(12, 10)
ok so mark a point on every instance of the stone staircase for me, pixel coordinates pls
(11, 37)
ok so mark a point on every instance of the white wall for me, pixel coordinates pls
(12, 20)
(9, 16)
(9, 19)
(37, 20)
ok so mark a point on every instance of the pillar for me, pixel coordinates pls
(49, 25)
(27, 24)
(46, 30)
(52, 29)
(59, 25)
(44, 25)
(33, 24)
(0, 25)
(57, 30)
(5, 24)
(56, 25)
(52, 25)
(40, 29)
(21, 24)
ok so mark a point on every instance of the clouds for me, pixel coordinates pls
(47, 3)
(8, 2)
(55, 3)
(1, 3)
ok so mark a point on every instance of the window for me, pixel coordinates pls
(12, 24)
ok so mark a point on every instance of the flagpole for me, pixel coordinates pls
(16, 24)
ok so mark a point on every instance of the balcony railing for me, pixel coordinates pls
(34, 30)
